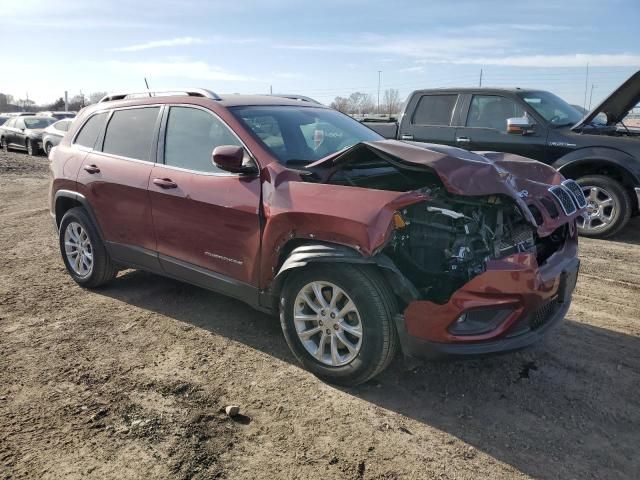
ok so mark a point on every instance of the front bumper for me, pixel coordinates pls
(536, 299)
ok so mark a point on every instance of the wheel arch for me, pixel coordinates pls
(65, 200)
(300, 253)
(612, 163)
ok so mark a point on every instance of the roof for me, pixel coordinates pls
(244, 100)
(478, 89)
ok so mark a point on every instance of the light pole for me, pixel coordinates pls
(379, 80)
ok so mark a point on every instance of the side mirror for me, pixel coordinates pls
(519, 125)
(230, 158)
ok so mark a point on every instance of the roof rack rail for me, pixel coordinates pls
(294, 96)
(191, 92)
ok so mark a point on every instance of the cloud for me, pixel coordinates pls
(173, 42)
(184, 69)
(568, 60)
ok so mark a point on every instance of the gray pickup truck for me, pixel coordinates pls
(597, 149)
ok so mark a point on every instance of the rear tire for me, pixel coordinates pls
(371, 318)
(91, 266)
(608, 206)
(4, 144)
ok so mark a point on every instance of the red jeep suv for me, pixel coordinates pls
(360, 244)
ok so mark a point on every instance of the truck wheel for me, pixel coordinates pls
(83, 252)
(338, 321)
(608, 206)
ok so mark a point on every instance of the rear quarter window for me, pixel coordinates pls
(435, 110)
(130, 133)
(90, 130)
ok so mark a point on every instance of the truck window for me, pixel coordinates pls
(435, 110)
(492, 111)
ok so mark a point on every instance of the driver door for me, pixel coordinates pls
(206, 220)
(486, 128)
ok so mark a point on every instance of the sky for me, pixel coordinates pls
(322, 49)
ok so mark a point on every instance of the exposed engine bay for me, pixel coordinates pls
(448, 240)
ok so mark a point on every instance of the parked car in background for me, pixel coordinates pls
(54, 133)
(58, 115)
(3, 118)
(361, 245)
(597, 150)
(24, 133)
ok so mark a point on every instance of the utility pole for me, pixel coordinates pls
(270, 89)
(379, 81)
(66, 101)
(586, 84)
(480, 78)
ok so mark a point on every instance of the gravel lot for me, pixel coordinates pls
(129, 381)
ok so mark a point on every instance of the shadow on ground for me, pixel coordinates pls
(565, 409)
(629, 234)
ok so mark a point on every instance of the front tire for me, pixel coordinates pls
(47, 148)
(32, 148)
(83, 252)
(338, 321)
(4, 144)
(608, 206)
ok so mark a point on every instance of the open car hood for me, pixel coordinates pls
(617, 105)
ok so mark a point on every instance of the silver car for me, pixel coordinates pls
(54, 133)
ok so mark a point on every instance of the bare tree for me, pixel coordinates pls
(341, 104)
(391, 104)
(360, 103)
(95, 97)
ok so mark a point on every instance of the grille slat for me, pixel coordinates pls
(542, 315)
(576, 191)
(564, 197)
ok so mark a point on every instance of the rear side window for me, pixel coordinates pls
(435, 110)
(90, 131)
(191, 136)
(130, 133)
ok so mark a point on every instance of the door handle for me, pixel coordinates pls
(463, 139)
(92, 169)
(406, 137)
(165, 183)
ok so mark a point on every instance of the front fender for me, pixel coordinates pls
(310, 253)
(600, 156)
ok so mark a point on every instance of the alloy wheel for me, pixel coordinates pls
(601, 209)
(78, 249)
(328, 323)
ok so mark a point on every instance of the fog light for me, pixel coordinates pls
(478, 322)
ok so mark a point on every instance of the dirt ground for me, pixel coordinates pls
(129, 381)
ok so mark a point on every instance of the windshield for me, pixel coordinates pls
(300, 135)
(554, 110)
(31, 122)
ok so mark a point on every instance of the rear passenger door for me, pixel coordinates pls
(115, 175)
(206, 220)
(485, 128)
(432, 120)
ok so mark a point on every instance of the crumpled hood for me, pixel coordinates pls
(617, 105)
(467, 173)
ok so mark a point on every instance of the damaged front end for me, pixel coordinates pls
(488, 241)
(444, 242)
